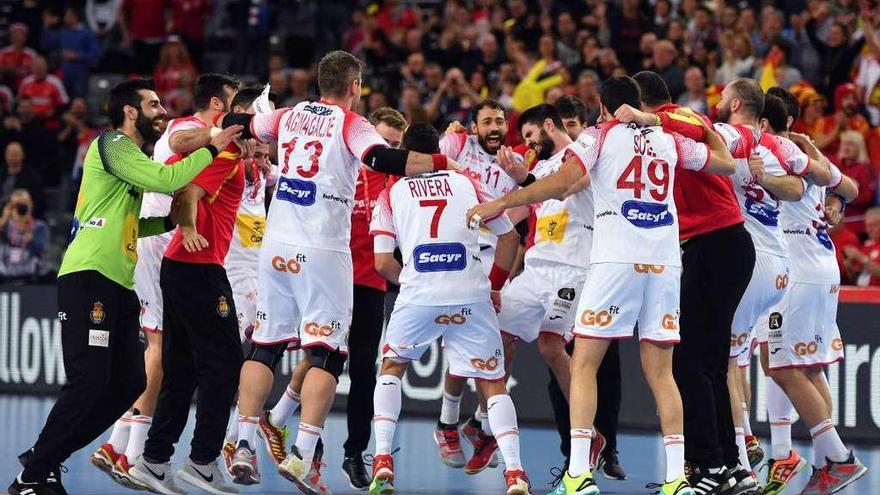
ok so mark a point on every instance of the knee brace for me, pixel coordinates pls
(330, 361)
(266, 354)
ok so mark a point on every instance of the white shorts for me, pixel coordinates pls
(807, 334)
(542, 299)
(487, 259)
(765, 290)
(470, 335)
(618, 295)
(151, 250)
(304, 296)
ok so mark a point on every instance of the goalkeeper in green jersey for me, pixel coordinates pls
(97, 306)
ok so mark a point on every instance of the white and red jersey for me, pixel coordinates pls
(158, 204)
(813, 259)
(632, 171)
(250, 221)
(426, 216)
(320, 150)
(563, 229)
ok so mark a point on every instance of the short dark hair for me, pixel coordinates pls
(570, 107)
(210, 86)
(538, 114)
(422, 138)
(488, 103)
(336, 71)
(749, 92)
(654, 90)
(775, 113)
(618, 91)
(388, 116)
(246, 96)
(792, 107)
(126, 93)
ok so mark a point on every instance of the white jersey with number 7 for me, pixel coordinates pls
(632, 170)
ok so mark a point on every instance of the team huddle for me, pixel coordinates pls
(610, 208)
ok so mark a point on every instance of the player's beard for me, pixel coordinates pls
(497, 139)
(546, 144)
(723, 113)
(150, 129)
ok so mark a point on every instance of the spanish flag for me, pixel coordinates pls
(768, 73)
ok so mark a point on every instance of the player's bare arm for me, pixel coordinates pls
(818, 168)
(388, 267)
(784, 187)
(183, 213)
(720, 159)
(189, 140)
(847, 189)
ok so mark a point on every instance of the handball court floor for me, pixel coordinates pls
(417, 467)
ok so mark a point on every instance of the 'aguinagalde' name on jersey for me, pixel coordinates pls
(426, 216)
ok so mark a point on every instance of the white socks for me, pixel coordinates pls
(747, 426)
(119, 436)
(450, 409)
(827, 444)
(140, 426)
(779, 410)
(502, 416)
(386, 410)
(580, 451)
(232, 426)
(674, 447)
(247, 429)
(284, 408)
(483, 418)
(307, 439)
(741, 446)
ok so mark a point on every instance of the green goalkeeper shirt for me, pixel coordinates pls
(106, 223)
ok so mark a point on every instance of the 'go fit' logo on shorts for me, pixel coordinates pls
(318, 330)
(293, 265)
(592, 318)
(802, 349)
(486, 365)
(642, 268)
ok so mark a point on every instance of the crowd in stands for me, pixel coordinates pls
(433, 60)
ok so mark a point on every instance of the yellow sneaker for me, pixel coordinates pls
(582, 485)
(678, 486)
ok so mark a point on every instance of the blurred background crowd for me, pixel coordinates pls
(433, 60)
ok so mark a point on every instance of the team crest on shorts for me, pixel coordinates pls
(775, 321)
(222, 307)
(97, 315)
(566, 293)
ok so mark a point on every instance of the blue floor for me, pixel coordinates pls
(417, 468)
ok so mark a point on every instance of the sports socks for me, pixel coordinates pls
(741, 447)
(232, 426)
(121, 431)
(247, 429)
(747, 426)
(284, 408)
(827, 444)
(140, 426)
(386, 407)
(779, 410)
(307, 439)
(502, 415)
(674, 447)
(580, 451)
(450, 409)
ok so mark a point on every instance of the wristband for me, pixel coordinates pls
(212, 149)
(528, 180)
(440, 161)
(498, 276)
(836, 175)
(214, 131)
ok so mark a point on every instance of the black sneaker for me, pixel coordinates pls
(49, 486)
(743, 482)
(54, 478)
(353, 468)
(705, 483)
(609, 465)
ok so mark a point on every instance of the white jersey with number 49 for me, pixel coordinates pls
(426, 216)
(320, 149)
(632, 171)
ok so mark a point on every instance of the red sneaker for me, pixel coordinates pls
(517, 482)
(596, 448)
(105, 458)
(383, 475)
(449, 445)
(484, 450)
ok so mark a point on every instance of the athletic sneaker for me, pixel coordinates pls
(744, 483)
(383, 475)
(158, 478)
(582, 485)
(314, 479)
(53, 481)
(244, 468)
(780, 473)
(449, 445)
(835, 476)
(355, 472)
(274, 437)
(517, 482)
(484, 449)
(754, 450)
(609, 466)
(471, 430)
(45, 487)
(705, 483)
(295, 469)
(678, 486)
(105, 458)
(121, 474)
(597, 446)
(207, 477)
(227, 453)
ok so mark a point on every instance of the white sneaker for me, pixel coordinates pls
(206, 477)
(158, 478)
(295, 469)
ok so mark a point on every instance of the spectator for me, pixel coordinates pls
(38, 142)
(452, 100)
(45, 91)
(75, 136)
(19, 176)
(79, 52)
(566, 44)
(627, 26)
(143, 29)
(775, 71)
(540, 77)
(837, 54)
(646, 49)
(866, 261)
(175, 75)
(588, 93)
(23, 239)
(853, 162)
(664, 62)
(738, 61)
(844, 240)
(298, 88)
(7, 100)
(15, 59)
(826, 129)
(188, 19)
(50, 35)
(695, 94)
(102, 15)
(702, 28)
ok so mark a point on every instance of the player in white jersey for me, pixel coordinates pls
(304, 292)
(213, 97)
(444, 292)
(635, 264)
